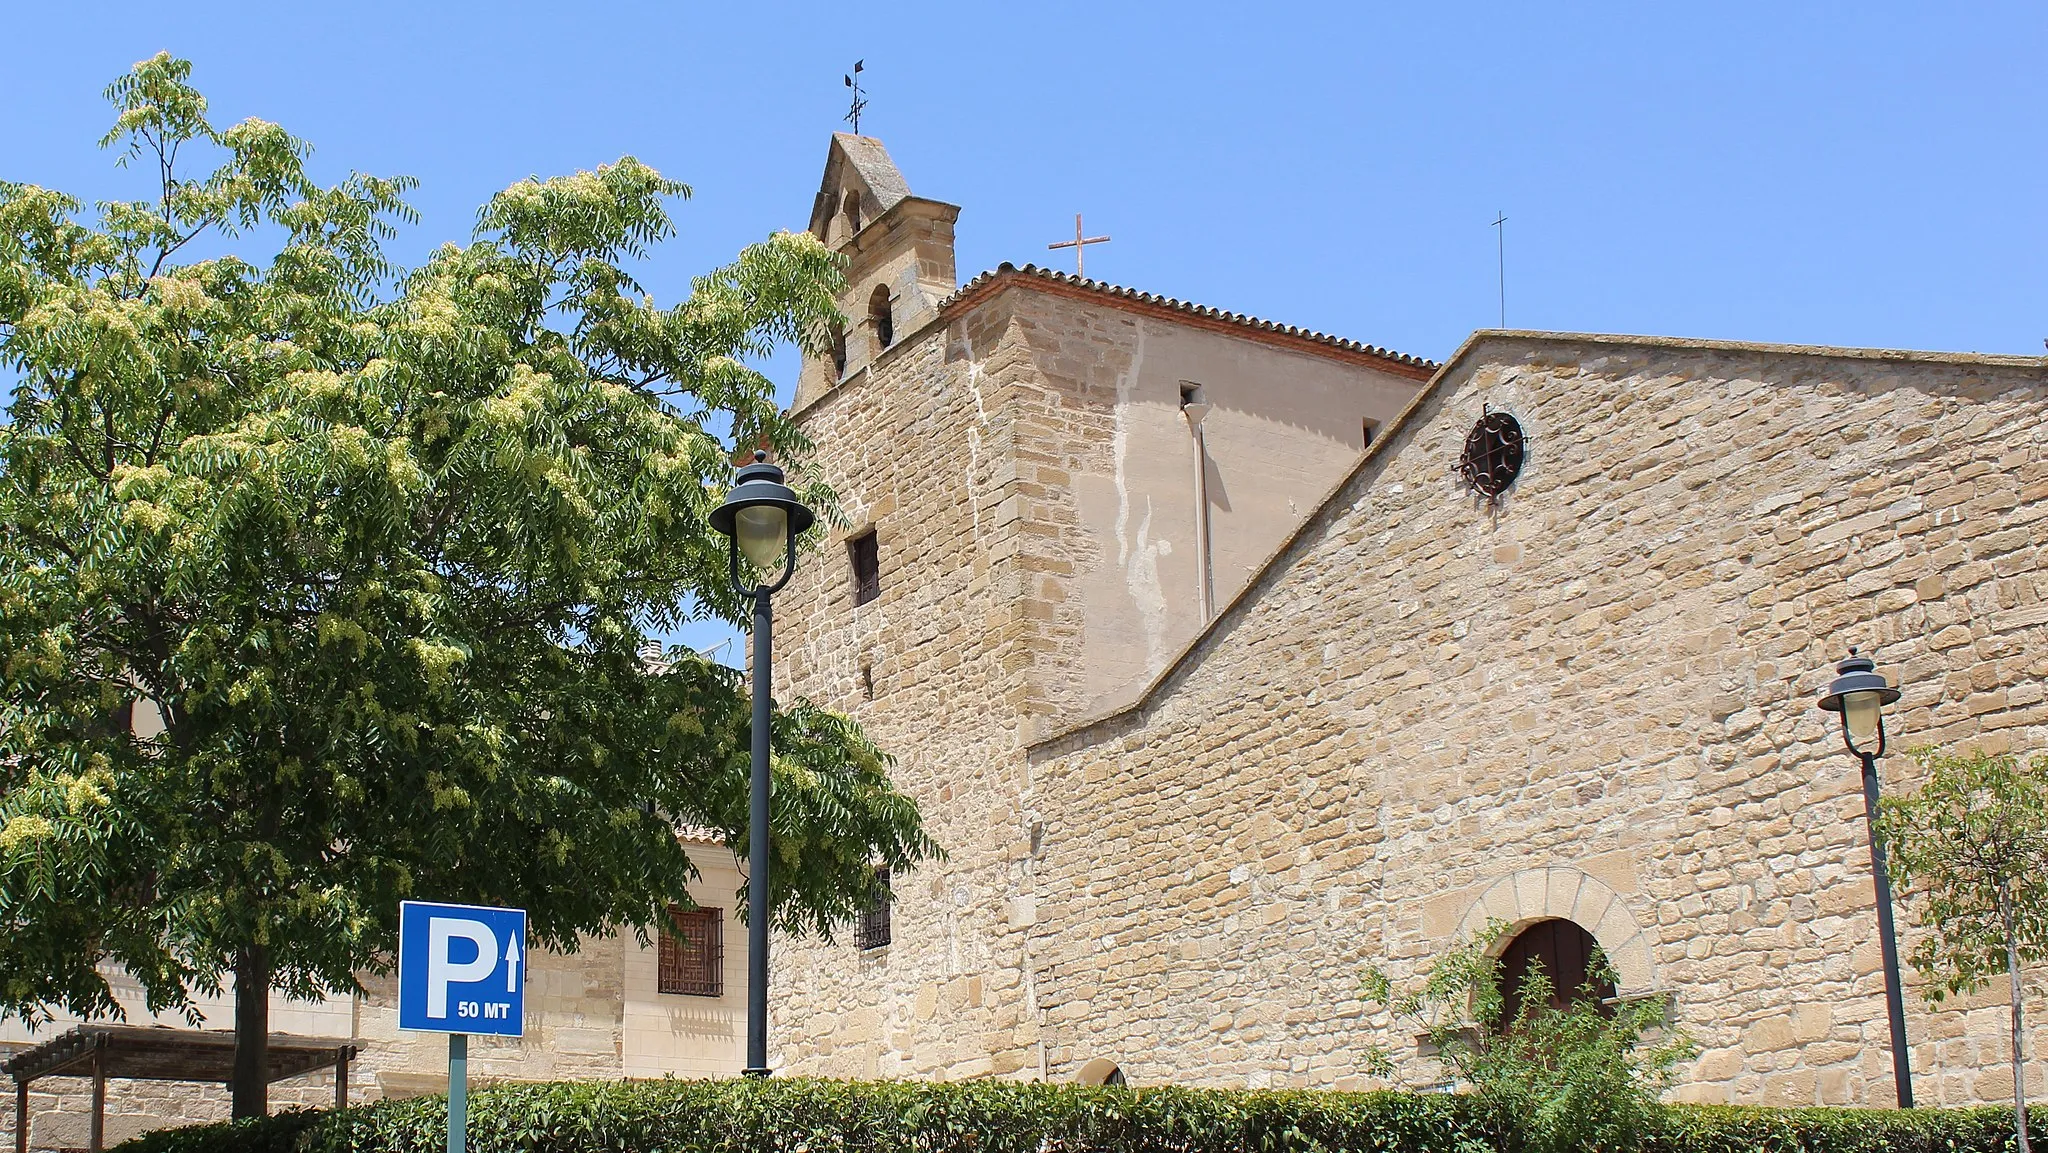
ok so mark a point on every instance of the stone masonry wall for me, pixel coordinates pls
(1595, 700)
(988, 456)
(920, 450)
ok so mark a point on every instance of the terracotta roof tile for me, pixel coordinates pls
(986, 280)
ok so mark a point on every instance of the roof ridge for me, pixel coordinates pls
(1175, 304)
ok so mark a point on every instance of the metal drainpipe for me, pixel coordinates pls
(1195, 409)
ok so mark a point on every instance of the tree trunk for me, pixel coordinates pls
(2019, 1071)
(252, 1033)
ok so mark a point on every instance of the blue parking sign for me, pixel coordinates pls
(461, 969)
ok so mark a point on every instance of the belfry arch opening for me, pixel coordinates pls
(1567, 956)
(880, 317)
(850, 208)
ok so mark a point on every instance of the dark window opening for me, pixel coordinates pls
(1568, 957)
(867, 567)
(107, 724)
(838, 351)
(879, 314)
(691, 960)
(873, 931)
(867, 681)
(852, 209)
(1371, 426)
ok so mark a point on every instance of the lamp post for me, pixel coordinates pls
(762, 518)
(1859, 693)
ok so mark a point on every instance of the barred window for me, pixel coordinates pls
(692, 959)
(873, 930)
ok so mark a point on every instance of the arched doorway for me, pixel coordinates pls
(1100, 1071)
(1566, 954)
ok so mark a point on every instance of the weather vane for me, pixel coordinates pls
(859, 102)
(1079, 244)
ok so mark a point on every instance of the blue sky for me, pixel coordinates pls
(1867, 174)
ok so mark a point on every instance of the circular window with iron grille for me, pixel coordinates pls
(1493, 455)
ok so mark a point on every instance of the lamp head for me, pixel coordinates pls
(761, 514)
(1859, 693)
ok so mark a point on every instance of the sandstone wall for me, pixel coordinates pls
(1029, 477)
(1595, 700)
(921, 449)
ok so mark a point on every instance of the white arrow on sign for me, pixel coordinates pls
(512, 965)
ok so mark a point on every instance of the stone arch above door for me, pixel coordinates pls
(1523, 898)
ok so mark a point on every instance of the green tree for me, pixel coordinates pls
(380, 547)
(1970, 851)
(1583, 1077)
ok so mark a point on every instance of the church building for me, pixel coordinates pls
(1226, 659)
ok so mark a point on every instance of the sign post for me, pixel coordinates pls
(461, 970)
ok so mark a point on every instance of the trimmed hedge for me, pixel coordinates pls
(805, 1116)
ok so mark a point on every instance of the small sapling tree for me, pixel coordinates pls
(1970, 851)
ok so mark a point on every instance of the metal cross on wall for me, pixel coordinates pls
(1078, 244)
(859, 102)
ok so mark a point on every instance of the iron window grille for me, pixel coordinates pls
(1493, 455)
(692, 959)
(873, 931)
(865, 555)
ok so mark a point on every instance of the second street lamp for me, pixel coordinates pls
(761, 518)
(1859, 693)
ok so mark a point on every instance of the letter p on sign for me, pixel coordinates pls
(461, 969)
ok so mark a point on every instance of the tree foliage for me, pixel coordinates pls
(1585, 1076)
(1970, 852)
(379, 546)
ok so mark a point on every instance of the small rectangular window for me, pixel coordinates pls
(1371, 426)
(867, 567)
(873, 930)
(692, 959)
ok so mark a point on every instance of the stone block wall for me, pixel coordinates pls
(1595, 699)
(920, 449)
(1021, 460)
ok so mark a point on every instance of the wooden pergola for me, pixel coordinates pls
(146, 1053)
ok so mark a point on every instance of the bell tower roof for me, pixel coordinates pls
(857, 167)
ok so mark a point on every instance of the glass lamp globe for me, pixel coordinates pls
(763, 533)
(1860, 712)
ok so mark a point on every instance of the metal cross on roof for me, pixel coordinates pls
(859, 102)
(1078, 244)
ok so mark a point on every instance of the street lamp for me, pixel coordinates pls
(1859, 693)
(761, 518)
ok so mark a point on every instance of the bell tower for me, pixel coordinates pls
(899, 251)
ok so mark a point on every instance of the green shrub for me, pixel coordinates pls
(1733, 1129)
(282, 1133)
(1584, 1077)
(788, 1115)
